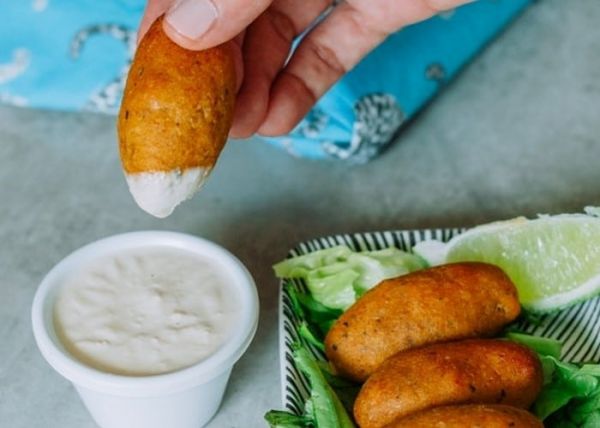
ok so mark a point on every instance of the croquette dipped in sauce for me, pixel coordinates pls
(439, 304)
(174, 120)
(470, 416)
(484, 371)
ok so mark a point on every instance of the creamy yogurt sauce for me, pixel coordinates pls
(158, 193)
(145, 311)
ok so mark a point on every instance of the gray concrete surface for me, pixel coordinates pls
(517, 133)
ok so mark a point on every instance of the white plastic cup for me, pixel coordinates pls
(186, 398)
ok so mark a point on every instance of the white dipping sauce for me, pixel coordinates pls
(145, 311)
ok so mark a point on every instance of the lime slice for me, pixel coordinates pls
(553, 261)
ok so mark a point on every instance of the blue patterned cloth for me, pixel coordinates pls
(68, 55)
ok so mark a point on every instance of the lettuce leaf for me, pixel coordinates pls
(344, 389)
(327, 409)
(318, 316)
(570, 396)
(282, 419)
(323, 409)
(337, 276)
(541, 345)
(305, 331)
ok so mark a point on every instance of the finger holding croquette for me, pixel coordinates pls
(174, 119)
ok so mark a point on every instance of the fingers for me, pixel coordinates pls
(154, 8)
(335, 46)
(201, 24)
(236, 46)
(392, 15)
(265, 50)
(330, 50)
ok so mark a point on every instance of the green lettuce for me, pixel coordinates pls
(344, 389)
(323, 409)
(337, 276)
(319, 317)
(570, 396)
(283, 419)
(543, 346)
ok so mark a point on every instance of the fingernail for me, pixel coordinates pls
(192, 18)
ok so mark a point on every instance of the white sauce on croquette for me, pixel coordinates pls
(144, 312)
(158, 193)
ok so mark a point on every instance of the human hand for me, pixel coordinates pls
(274, 93)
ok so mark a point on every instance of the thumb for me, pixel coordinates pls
(202, 24)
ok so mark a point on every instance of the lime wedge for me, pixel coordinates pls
(553, 261)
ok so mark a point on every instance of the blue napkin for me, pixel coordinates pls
(67, 55)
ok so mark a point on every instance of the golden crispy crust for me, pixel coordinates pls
(449, 302)
(177, 106)
(484, 371)
(470, 416)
